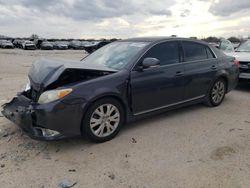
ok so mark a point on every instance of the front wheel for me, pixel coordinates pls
(216, 93)
(103, 120)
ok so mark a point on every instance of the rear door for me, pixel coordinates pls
(200, 66)
(157, 87)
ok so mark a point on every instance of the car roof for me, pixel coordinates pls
(161, 39)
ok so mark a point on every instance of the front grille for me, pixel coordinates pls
(245, 66)
(244, 62)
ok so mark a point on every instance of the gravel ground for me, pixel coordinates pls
(191, 147)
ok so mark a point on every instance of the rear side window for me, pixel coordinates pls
(167, 53)
(194, 51)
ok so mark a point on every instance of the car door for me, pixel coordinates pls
(200, 67)
(158, 87)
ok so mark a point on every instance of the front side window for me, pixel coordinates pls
(194, 51)
(167, 53)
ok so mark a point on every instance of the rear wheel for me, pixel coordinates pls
(216, 93)
(103, 120)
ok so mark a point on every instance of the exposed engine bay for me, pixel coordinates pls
(48, 74)
(76, 75)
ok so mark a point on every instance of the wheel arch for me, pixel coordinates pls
(109, 95)
(225, 78)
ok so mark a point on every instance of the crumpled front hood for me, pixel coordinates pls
(43, 72)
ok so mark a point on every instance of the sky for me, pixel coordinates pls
(124, 18)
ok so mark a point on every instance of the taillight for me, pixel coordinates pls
(236, 62)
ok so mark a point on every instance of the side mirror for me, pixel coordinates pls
(150, 62)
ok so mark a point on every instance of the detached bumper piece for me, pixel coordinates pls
(21, 112)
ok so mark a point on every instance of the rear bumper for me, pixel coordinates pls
(29, 47)
(58, 118)
(46, 48)
(8, 47)
(61, 48)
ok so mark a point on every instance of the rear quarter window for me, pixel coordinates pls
(195, 51)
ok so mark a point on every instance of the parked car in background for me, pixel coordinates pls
(242, 54)
(120, 82)
(6, 44)
(91, 46)
(214, 44)
(76, 45)
(45, 45)
(60, 45)
(18, 43)
(28, 45)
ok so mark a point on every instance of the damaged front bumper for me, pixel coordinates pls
(50, 121)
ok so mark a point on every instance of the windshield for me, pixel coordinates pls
(115, 55)
(244, 47)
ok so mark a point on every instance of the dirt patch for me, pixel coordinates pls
(221, 152)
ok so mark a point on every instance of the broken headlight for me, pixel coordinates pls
(52, 95)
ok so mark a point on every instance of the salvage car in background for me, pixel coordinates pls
(18, 43)
(242, 54)
(120, 82)
(28, 45)
(60, 45)
(94, 45)
(6, 44)
(46, 45)
(76, 45)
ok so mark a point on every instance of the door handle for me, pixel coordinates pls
(179, 73)
(213, 67)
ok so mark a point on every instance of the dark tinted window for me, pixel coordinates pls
(209, 53)
(167, 53)
(194, 51)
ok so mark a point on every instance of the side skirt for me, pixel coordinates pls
(170, 105)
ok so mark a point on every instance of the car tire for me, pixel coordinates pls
(216, 93)
(103, 120)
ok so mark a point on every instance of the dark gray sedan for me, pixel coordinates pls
(120, 82)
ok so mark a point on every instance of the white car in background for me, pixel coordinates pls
(6, 44)
(28, 45)
(242, 54)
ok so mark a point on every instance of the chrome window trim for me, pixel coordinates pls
(178, 41)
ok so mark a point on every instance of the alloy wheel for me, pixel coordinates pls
(104, 120)
(218, 92)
